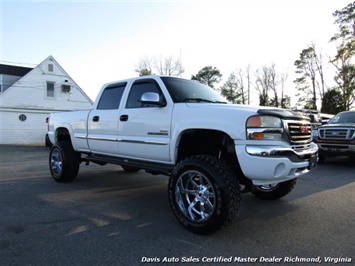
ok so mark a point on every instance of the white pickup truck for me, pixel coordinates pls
(212, 151)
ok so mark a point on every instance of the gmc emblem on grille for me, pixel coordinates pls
(304, 129)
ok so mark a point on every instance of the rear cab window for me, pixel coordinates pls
(111, 97)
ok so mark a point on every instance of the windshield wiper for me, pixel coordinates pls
(200, 100)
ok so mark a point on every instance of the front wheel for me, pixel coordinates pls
(63, 162)
(274, 191)
(204, 194)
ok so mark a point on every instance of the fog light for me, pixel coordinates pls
(280, 170)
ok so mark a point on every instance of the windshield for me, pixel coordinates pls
(343, 118)
(183, 90)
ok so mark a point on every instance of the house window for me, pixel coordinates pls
(50, 67)
(22, 117)
(65, 88)
(50, 89)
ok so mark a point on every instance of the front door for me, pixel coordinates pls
(144, 129)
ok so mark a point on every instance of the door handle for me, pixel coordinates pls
(96, 118)
(124, 118)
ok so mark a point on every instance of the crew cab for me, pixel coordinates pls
(212, 151)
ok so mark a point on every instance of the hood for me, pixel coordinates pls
(338, 125)
(261, 110)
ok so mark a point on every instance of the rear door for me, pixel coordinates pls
(104, 119)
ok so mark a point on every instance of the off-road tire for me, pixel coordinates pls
(63, 162)
(275, 191)
(204, 194)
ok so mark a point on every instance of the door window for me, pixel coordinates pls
(138, 89)
(111, 97)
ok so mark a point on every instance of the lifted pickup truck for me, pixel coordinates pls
(337, 137)
(212, 151)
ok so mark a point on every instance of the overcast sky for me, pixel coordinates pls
(102, 41)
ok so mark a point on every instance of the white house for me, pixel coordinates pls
(28, 96)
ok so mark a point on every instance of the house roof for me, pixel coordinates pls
(14, 70)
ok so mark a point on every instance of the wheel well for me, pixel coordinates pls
(62, 134)
(205, 141)
(211, 142)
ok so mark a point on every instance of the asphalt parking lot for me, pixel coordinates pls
(110, 217)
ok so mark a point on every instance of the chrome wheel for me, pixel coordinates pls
(274, 191)
(56, 162)
(267, 187)
(64, 161)
(204, 193)
(195, 196)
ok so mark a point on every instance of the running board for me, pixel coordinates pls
(151, 167)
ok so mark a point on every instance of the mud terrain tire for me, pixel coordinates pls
(63, 162)
(204, 194)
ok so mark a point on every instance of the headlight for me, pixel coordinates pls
(264, 128)
(315, 133)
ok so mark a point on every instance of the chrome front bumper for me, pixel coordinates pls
(293, 155)
(273, 164)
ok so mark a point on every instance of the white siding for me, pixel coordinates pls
(32, 131)
(28, 96)
(31, 91)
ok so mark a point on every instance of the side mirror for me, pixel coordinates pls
(152, 98)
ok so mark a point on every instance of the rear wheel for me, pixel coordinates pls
(63, 162)
(204, 194)
(274, 191)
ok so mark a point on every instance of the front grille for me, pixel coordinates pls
(336, 133)
(299, 131)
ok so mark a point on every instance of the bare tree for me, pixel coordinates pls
(310, 68)
(285, 101)
(262, 84)
(319, 66)
(306, 68)
(240, 84)
(274, 82)
(268, 83)
(168, 66)
(144, 66)
(248, 82)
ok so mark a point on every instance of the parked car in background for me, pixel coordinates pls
(325, 118)
(315, 116)
(337, 137)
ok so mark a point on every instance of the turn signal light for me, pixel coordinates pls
(258, 135)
